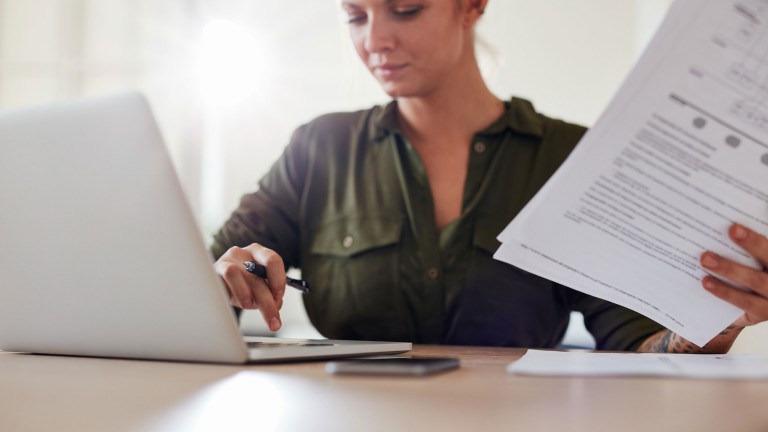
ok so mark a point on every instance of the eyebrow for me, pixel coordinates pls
(348, 4)
(351, 4)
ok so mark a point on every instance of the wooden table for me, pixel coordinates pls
(49, 393)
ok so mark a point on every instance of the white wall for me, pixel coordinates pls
(567, 56)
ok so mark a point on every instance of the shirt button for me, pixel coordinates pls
(432, 273)
(479, 147)
(348, 242)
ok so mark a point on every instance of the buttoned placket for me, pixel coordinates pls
(434, 246)
(420, 208)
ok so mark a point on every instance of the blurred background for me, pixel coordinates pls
(229, 80)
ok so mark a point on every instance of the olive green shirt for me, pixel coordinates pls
(349, 204)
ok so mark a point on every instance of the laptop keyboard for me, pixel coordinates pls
(258, 344)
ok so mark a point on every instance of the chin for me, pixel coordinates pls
(391, 89)
(398, 90)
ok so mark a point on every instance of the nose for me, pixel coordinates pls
(379, 37)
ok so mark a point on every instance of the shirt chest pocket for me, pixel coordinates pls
(351, 236)
(353, 267)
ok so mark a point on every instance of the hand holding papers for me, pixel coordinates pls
(679, 155)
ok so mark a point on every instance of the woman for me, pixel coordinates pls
(392, 213)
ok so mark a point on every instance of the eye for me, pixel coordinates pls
(355, 18)
(408, 11)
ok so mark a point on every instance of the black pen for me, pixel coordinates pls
(261, 271)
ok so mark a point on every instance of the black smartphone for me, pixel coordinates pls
(415, 366)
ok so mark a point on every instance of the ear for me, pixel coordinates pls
(473, 10)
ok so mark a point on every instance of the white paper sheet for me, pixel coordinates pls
(577, 363)
(680, 153)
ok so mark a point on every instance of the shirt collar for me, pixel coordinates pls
(519, 116)
(385, 121)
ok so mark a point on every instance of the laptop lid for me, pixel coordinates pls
(99, 252)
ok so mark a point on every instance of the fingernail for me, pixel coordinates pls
(709, 261)
(739, 233)
(709, 284)
(274, 324)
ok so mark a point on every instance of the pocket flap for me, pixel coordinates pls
(352, 235)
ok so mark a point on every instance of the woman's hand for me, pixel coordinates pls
(248, 291)
(755, 303)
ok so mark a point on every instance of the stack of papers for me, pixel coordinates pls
(710, 366)
(679, 155)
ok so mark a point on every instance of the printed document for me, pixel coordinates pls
(680, 153)
(583, 363)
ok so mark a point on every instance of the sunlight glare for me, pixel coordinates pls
(229, 63)
(247, 401)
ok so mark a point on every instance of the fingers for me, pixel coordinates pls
(267, 305)
(238, 287)
(754, 303)
(752, 242)
(248, 291)
(748, 277)
(275, 269)
(755, 307)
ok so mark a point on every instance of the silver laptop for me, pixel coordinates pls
(100, 254)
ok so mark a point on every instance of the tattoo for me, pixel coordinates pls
(667, 341)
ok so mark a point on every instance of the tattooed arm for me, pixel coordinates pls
(670, 342)
(754, 303)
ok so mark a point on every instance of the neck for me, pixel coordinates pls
(459, 108)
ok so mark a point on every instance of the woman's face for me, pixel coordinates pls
(410, 46)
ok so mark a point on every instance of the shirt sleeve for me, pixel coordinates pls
(614, 327)
(270, 216)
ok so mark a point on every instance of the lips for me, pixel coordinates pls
(389, 70)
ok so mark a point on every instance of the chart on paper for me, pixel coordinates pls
(740, 36)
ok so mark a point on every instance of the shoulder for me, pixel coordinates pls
(556, 138)
(525, 117)
(549, 140)
(340, 127)
(332, 141)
